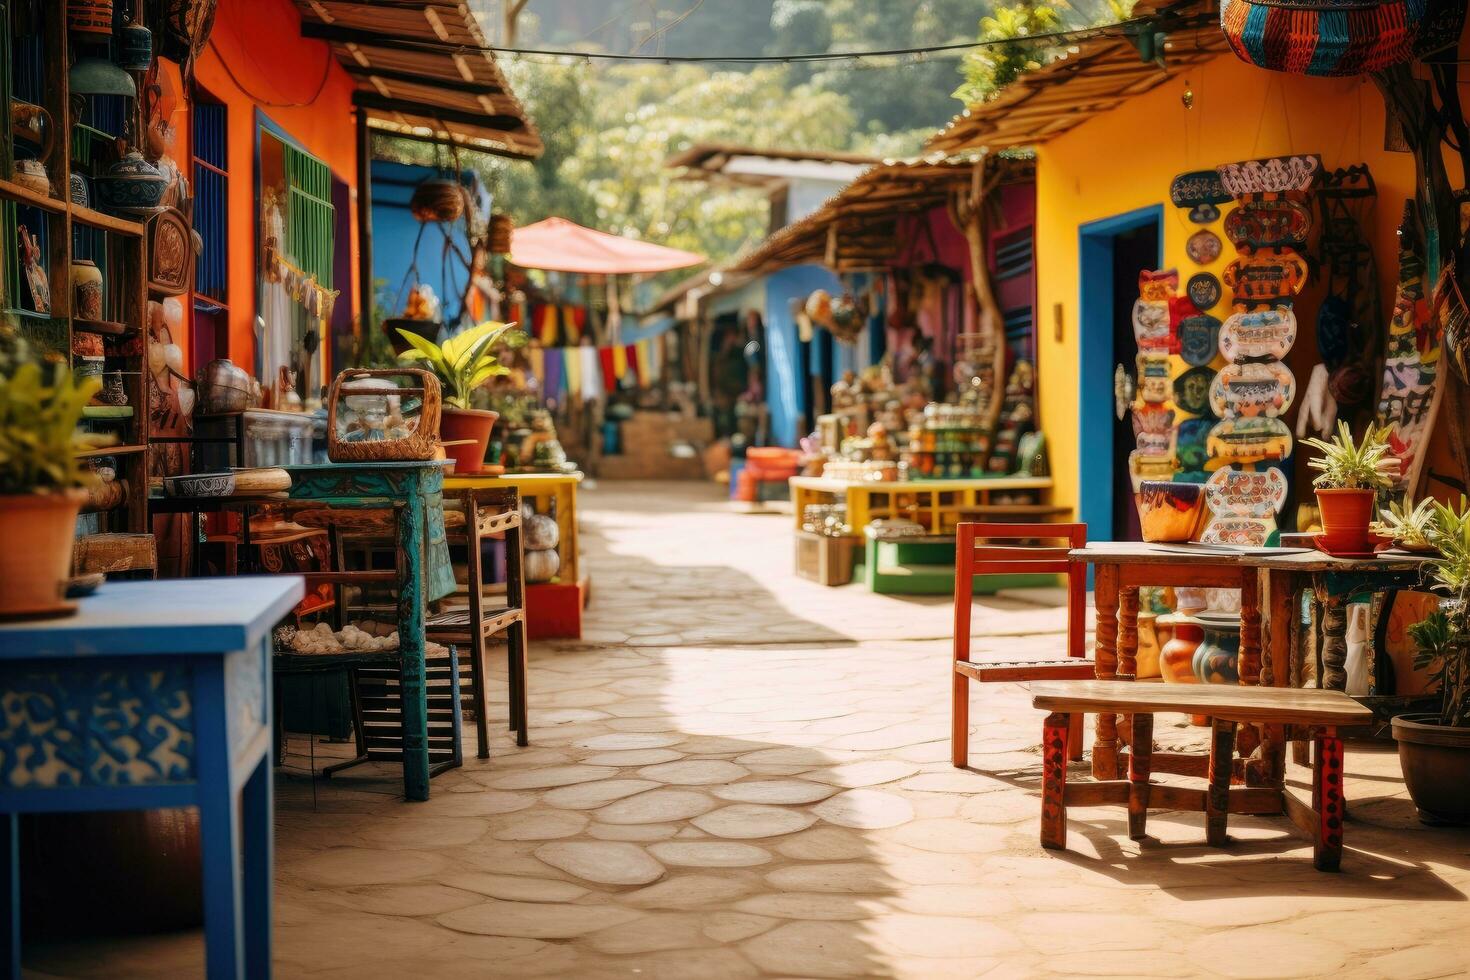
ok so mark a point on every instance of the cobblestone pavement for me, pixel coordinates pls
(739, 773)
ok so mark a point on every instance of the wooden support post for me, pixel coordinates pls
(1334, 641)
(1105, 597)
(365, 224)
(959, 732)
(1328, 802)
(1217, 797)
(1138, 774)
(1249, 736)
(1054, 780)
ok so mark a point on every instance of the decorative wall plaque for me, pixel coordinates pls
(1248, 390)
(1197, 187)
(1272, 175)
(1199, 338)
(1253, 440)
(1204, 290)
(1266, 274)
(1258, 335)
(1203, 247)
(1192, 390)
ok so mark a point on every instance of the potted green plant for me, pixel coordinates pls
(1350, 474)
(40, 483)
(1407, 524)
(1434, 749)
(463, 363)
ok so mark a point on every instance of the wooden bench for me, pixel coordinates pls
(1303, 713)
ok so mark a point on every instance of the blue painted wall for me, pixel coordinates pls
(394, 231)
(1097, 359)
(787, 386)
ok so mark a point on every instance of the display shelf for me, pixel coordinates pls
(11, 191)
(109, 451)
(107, 327)
(96, 219)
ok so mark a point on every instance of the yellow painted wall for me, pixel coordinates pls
(1123, 160)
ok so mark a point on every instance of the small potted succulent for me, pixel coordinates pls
(1350, 474)
(1434, 748)
(1408, 526)
(41, 481)
(463, 363)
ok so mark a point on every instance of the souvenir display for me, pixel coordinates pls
(1192, 390)
(1260, 335)
(1252, 389)
(1158, 286)
(1203, 247)
(1266, 274)
(1257, 224)
(86, 289)
(1191, 447)
(1411, 359)
(1197, 187)
(1151, 324)
(1247, 494)
(170, 253)
(1272, 175)
(1153, 428)
(1204, 290)
(1169, 511)
(1153, 377)
(1124, 389)
(1347, 338)
(37, 281)
(1234, 441)
(1199, 339)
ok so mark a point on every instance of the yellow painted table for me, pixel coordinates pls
(553, 609)
(937, 504)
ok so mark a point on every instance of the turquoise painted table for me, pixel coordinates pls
(155, 694)
(424, 572)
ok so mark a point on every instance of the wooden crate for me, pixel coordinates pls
(825, 559)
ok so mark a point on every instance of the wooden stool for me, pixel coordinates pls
(1302, 713)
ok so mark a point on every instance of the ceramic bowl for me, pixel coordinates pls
(200, 485)
(1169, 511)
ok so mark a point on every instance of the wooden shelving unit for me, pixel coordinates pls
(116, 244)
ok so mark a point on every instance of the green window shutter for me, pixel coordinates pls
(310, 217)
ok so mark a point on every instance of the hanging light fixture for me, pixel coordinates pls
(99, 76)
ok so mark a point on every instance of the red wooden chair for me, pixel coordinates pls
(1018, 555)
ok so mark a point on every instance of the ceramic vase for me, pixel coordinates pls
(1147, 660)
(1176, 658)
(1217, 658)
(86, 289)
(132, 186)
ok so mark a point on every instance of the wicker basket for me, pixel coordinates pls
(421, 443)
(501, 226)
(437, 200)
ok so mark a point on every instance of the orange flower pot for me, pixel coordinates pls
(38, 530)
(470, 429)
(1346, 514)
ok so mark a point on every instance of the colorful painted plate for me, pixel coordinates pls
(1204, 290)
(1191, 439)
(1272, 175)
(1199, 339)
(1197, 187)
(1204, 214)
(1255, 388)
(1158, 285)
(1203, 247)
(1192, 390)
(1258, 224)
(1250, 440)
(1151, 325)
(1266, 274)
(1260, 335)
(1239, 493)
(1241, 532)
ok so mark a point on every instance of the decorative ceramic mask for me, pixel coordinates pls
(1192, 390)
(1259, 335)
(1249, 390)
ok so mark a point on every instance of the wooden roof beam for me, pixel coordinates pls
(436, 81)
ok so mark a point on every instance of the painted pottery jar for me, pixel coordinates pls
(1217, 658)
(1168, 510)
(86, 289)
(81, 193)
(89, 367)
(132, 186)
(1146, 663)
(1176, 657)
(31, 174)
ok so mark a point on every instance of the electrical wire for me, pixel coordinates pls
(225, 63)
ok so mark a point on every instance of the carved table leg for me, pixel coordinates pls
(1054, 780)
(1127, 658)
(1217, 797)
(1308, 645)
(1249, 736)
(1139, 763)
(1327, 800)
(1277, 631)
(1105, 598)
(1334, 642)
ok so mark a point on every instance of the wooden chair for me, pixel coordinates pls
(470, 627)
(1019, 555)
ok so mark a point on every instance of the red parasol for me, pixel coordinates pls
(559, 245)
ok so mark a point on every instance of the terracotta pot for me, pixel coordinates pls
(1436, 762)
(1176, 657)
(92, 17)
(38, 529)
(458, 424)
(1345, 518)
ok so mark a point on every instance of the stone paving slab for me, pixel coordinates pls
(740, 773)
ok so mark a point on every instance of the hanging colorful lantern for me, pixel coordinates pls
(1336, 37)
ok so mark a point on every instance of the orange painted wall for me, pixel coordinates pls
(257, 59)
(1123, 160)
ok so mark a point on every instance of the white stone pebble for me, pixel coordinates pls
(350, 639)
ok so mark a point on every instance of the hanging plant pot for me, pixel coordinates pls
(1318, 37)
(437, 200)
(89, 17)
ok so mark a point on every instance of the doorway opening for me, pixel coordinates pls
(1113, 252)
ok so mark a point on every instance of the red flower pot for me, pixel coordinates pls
(465, 433)
(1346, 514)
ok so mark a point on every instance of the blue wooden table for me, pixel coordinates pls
(155, 694)
(425, 573)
